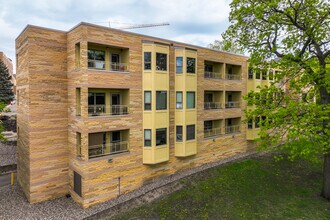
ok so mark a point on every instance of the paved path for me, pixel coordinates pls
(7, 154)
(4, 179)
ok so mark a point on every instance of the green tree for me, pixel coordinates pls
(294, 37)
(6, 87)
(229, 46)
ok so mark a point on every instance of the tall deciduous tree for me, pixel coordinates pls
(6, 87)
(293, 36)
(228, 46)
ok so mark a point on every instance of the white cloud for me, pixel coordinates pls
(197, 39)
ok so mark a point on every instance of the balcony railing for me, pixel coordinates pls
(120, 67)
(102, 110)
(212, 132)
(212, 105)
(96, 64)
(232, 129)
(233, 77)
(107, 149)
(212, 75)
(233, 104)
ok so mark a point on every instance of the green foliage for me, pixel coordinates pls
(2, 106)
(228, 47)
(292, 37)
(249, 189)
(6, 92)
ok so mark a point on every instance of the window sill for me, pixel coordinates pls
(108, 71)
(108, 116)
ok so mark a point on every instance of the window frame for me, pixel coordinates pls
(159, 62)
(145, 140)
(161, 130)
(188, 67)
(250, 73)
(157, 98)
(187, 100)
(190, 136)
(176, 65)
(177, 104)
(145, 103)
(147, 62)
(178, 134)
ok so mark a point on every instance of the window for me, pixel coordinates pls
(77, 54)
(179, 65)
(250, 124)
(257, 122)
(178, 100)
(250, 74)
(78, 144)
(208, 68)
(161, 61)
(208, 125)
(257, 74)
(271, 75)
(147, 137)
(77, 183)
(161, 136)
(147, 60)
(264, 75)
(96, 59)
(96, 103)
(179, 133)
(161, 100)
(147, 100)
(78, 106)
(191, 65)
(190, 132)
(190, 100)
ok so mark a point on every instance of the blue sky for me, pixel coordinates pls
(197, 22)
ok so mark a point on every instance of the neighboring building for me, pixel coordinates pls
(9, 64)
(96, 104)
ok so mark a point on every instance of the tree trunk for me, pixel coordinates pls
(326, 177)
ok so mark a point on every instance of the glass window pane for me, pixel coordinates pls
(190, 100)
(179, 133)
(161, 138)
(91, 54)
(147, 137)
(179, 100)
(161, 61)
(147, 100)
(190, 132)
(179, 64)
(208, 68)
(100, 99)
(208, 125)
(191, 65)
(91, 98)
(147, 60)
(161, 100)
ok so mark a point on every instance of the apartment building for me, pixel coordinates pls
(103, 111)
(9, 64)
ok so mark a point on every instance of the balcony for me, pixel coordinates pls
(233, 72)
(108, 102)
(232, 125)
(107, 143)
(212, 128)
(212, 100)
(213, 70)
(109, 58)
(233, 99)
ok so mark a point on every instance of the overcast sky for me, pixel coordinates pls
(198, 22)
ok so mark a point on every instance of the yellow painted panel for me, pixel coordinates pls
(191, 117)
(191, 82)
(147, 119)
(184, 149)
(191, 148)
(161, 81)
(179, 117)
(147, 81)
(179, 82)
(161, 154)
(161, 119)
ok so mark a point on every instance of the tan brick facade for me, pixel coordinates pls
(53, 64)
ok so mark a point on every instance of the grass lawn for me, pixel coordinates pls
(257, 188)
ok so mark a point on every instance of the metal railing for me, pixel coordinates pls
(107, 149)
(233, 104)
(120, 67)
(212, 132)
(96, 64)
(212, 75)
(232, 129)
(233, 77)
(212, 105)
(102, 110)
